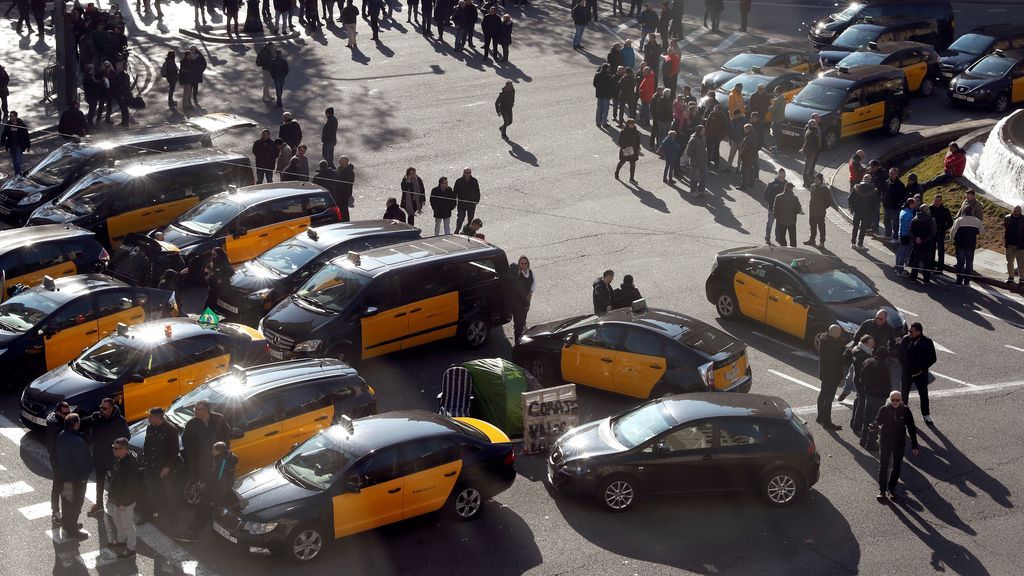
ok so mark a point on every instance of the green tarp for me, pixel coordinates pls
(498, 386)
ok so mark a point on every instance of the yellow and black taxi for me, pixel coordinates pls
(44, 327)
(979, 42)
(879, 30)
(919, 62)
(763, 57)
(366, 473)
(849, 101)
(141, 261)
(27, 255)
(145, 193)
(796, 291)
(246, 222)
(771, 78)
(688, 444)
(824, 31)
(996, 81)
(259, 284)
(52, 175)
(142, 366)
(368, 304)
(637, 351)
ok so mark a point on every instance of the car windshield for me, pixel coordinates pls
(25, 310)
(750, 84)
(87, 195)
(747, 60)
(848, 13)
(210, 216)
(861, 59)
(819, 97)
(57, 166)
(634, 428)
(837, 286)
(109, 360)
(288, 257)
(855, 36)
(332, 288)
(972, 43)
(992, 66)
(317, 462)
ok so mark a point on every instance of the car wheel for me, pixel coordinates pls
(1001, 103)
(781, 487)
(831, 139)
(892, 127)
(476, 332)
(726, 305)
(305, 543)
(618, 493)
(927, 87)
(193, 490)
(467, 502)
(541, 369)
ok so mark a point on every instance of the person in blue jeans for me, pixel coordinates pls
(16, 140)
(580, 18)
(965, 232)
(671, 152)
(605, 86)
(903, 235)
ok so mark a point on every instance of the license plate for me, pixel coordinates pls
(276, 354)
(964, 98)
(220, 530)
(226, 306)
(33, 419)
(5, 210)
(733, 373)
(790, 133)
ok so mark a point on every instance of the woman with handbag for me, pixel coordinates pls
(629, 149)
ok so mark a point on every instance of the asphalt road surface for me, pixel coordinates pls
(549, 193)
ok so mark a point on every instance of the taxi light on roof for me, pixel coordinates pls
(755, 69)
(49, 284)
(122, 329)
(843, 69)
(346, 423)
(312, 234)
(639, 305)
(353, 257)
(798, 263)
(999, 52)
(238, 373)
(873, 45)
(232, 189)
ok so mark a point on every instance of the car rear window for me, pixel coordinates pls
(707, 340)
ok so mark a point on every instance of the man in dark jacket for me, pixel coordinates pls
(290, 131)
(604, 91)
(965, 233)
(922, 246)
(879, 329)
(856, 354)
(820, 202)
(1013, 243)
(503, 105)
(523, 283)
(263, 60)
(72, 122)
(202, 431)
(16, 139)
(121, 89)
(347, 178)
(220, 479)
(467, 196)
(74, 467)
(104, 426)
(124, 493)
(772, 191)
(626, 293)
(894, 421)
(786, 208)
(327, 177)
(830, 372)
(943, 222)
(392, 211)
(877, 386)
(714, 131)
(603, 292)
(472, 17)
(278, 73)
(892, 202)
(329, 136)
(918, 352)
(297, 169)
(490, 25)
(54, 426)
(265, 152)
(580, 19)
(810, 149)
(159, 458)
(862, 200)
(748, 158)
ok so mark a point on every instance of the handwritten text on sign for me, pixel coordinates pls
(547, 414)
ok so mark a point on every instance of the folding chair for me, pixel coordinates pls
(456, 397)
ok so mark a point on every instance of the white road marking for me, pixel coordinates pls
(167, 548)
(689, 38)
(58, 538)
(1014, 348)
(942, 348)
(3, 468)
(35, 511)
(794, 380)
(793, 349)
(728, 42)
(97, 558)
(473, 104)
(11, 431)
(623, 26)
(14, 489)
(951, 379)
(907, 312)
(951, 392)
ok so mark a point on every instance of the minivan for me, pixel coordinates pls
(31, 254)
(978, 43)
(829, 28)
(879, 31)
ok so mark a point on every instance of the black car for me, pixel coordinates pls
(20, 196)
(919, 62)
(27, 255)
(142, 261)
(259, 284)
(878, 30)
(996, 81)
(825, 31)
(687, 444)
(977, 43)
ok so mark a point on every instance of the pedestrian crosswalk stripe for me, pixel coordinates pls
(58, 538)
(1014, 348)
(794, 380)
(3, 468)
(12, 432)
(14, 489)
(728, 42)
(942, 348)
(97, 558)
(951, 379)
(35, 511)
(689, 38)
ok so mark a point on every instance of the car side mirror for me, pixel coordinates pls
(849, 107)
(48, 332)
(662, 449)
(370, 311)
(353, 484)
(239, 231)
(136, 378)
(570, 340)
(237, 433)
(800, 300)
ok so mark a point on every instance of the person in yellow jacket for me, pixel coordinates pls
(736, 100)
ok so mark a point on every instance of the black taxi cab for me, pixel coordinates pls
(246, 222)
(52, 175)
(145, 193)
(259, 284)
(44, 327)
(763, 57)
(27, 255)
(141, 261)
(142, 366)
(368, 304)
(637, 351)
(919, 62)
(824, 31)
(771, 78)
(367, 473)
(879, 30)
(849, 101)
(796, 291)
(979, 42)
(996, 81)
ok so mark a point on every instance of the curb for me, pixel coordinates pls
(225, 38)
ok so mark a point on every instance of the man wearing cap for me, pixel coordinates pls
(124, 493)
(893, 422)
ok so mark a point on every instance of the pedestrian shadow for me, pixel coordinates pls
(946, 555)
(647, 198)
(384, 49)
(359, 56)
(952, 466)
(511, 72)
(522, 154)
(470, 60)
(593, 58)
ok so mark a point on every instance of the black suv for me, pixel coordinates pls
(977, 43)
(826, 30)
(27, 255)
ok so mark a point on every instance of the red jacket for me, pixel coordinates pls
(673, 62)
(647, 87)
(955, 163)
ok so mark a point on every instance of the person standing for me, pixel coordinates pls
(347, 178)
(279, 72)
(290, 131)
(810, 149)
(199, 70)
(855, 356)
(697, 155)
(16, 140)
(744, 12)
(329, 136)
(862, 200)
(892, 203)
(604, 90)
(467, 196)
(442, 202)
(964, 233)
(821, 201)
(327, 178)
(918, 353)
(771, 192)
(73, 462)
(857, 168)
(830, 372)
(592, 4)
(159, 456)
(349, 18)
(392, 211)
(413, 194)
(412, 15)
(603, 292)
(971, 199)
(717, 6)
(297, 169)
(943, 222)
(264, 151)
(1013, 243)
(121, 88)
(670, 150)
(201, 432)
(647, 87)
(626, 293)
(104, 426)
(670, 70)
(880, 178)
(442, 12)
(54, 426)
(231, 14)
(748, 157)
(503, 105)
(124, 493)
(523, 284)
(92, 89)
(877, 386)
(922, 246)
(72, 122)
(714, 132)
(648, 20)
(903, 248)
(629, 149)
(284, 156)
(219, 480)
(263, 61)
(169, 72)
(736, 124)
(460, 19)
(786, 208)
(893, 422)
(473, 15)
(580, 19)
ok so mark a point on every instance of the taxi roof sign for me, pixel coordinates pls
(122, 329)
(346, 423)
(238, 372)
(312, 234)
(873, 45)
(49, 284)
(353, 257)
(639, 305)
(755, 69)
(999, 52)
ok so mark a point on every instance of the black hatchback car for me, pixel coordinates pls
(27, 255)
(686, 444)
(259, 284)
(879, 30)
(983, 40)
(996, 81)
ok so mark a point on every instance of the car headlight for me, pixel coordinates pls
(261, 294)
(259, 527)
(31, 199)
(308, 346)
(824, 32)
(577, 467)
(850, 327)
(982, 91)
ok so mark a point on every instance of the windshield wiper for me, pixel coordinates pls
(294, 478)
(190, 229)
(9, 327)
(311, 303)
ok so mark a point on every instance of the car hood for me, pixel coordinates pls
(251, 277)
(588, 441)
(719, 77)
(295, 321)
(832, 57)
(861, 310)
(6, 337)
(549, 327)
(970, 81)
(956, 57)
(181, 238)
(66, 383)
(52, 214)
(797, 114)
(18, 187)
(267, 488)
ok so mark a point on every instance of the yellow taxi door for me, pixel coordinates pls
(69, 330)
(590, 360)
(306, 410)
(289, 216)
(641, 365)
(385, 320)
(158, 367)
(751, 291)
(782, 312)
(146, 218)
(1017, 84)
(915, 74)
(433, 318)
(432, 467)
(242, 245)
(194, 375)
(35, 277)
(117, 307)
(29, 264)
(261, 442)
(378, 500)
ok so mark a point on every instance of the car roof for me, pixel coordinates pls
(840, 79)
(154, 331)
(19, 237)
(396, 255)
(331, 234)
(891, 21)
(895, 46)
(784, 256)
(70, 287)
(92, 145)
(249, 195)
(774, 50)
(1016, 54)
(771, 72)
(700, 405)
(664, 322)
(391, 428)
(158, 162)
(278, 374)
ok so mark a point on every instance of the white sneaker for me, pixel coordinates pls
(928, 420)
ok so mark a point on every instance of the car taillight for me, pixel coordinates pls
(811, 448)
(337, 212)
(707, 374)
(510, 458)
